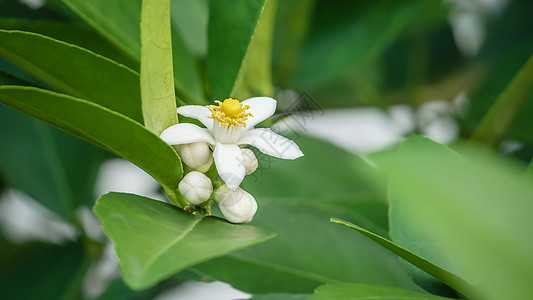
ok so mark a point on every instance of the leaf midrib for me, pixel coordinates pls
(285, 269)
(149, 263)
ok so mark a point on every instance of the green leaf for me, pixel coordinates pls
(500, 117)
(226, 52)
(102, 127)
(73, 33)
(190, 18)
(52, 167)
(119, 20)
(40, 271)
(6, 79)
(171, 239)
(306, 253)
(292, 25)
(281, 297)
(118, 290)
(420, 262)
(339, 291)
(157, 82)
(501, 66)
(75, 71)
(470, 216)
(255, 77)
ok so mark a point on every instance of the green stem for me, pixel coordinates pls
(501, 115)
(176, 198)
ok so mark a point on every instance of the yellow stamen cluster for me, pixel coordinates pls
(229, 112)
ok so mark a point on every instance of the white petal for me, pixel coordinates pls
(230, 164)
(261, 108)
(198, 112)
(271, 143)
(185, 133)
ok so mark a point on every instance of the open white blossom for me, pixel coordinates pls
(230, 125)
(238, 206)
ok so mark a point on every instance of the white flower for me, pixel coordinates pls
(230, 124)
(196, 187)
(196, 155)
(237, 206)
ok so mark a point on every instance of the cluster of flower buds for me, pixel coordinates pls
(229, 127)
(238, 206)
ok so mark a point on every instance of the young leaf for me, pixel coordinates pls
(157, 82)
(171, 238)
(420, 262)
(343, 291)
(226, 52)
(100, 126)
(75, 71)
(470, 216)
(501, 115)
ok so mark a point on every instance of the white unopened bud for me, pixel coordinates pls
(196, 187)
(196, 156)
(250, 161)
(237, 206)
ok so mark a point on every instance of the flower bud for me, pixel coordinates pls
(196, 156)
(250, 161)
(237, 206)
(195, 187)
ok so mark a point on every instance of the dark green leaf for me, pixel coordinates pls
(154, 240)
(226, 52)
(339, 291)
(500, 117)
(420, 262)
(504, 54)
(157, 82)
(6, 79)
(255, 77)
(101, 126)
(190, 18)
(75, 71)
(292, 24)
(44, 272)
(119, 20)
(72, 33)
(306, 253)
(52, 167)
